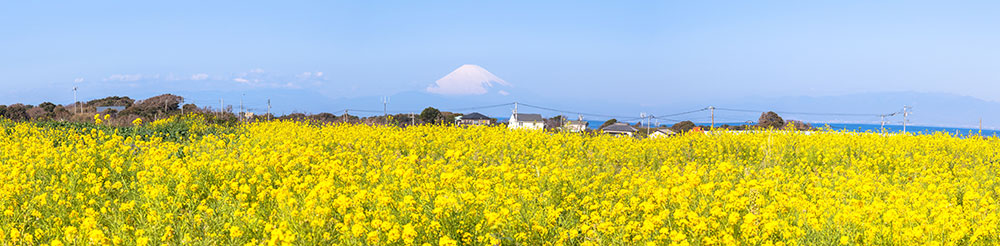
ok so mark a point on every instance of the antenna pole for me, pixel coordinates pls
(269, 109)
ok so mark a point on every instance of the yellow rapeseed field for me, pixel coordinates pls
(297, 183)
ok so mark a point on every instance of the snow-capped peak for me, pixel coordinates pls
(466, 80)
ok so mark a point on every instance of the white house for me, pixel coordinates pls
(526, 121)
(663, 132)
(576, 125)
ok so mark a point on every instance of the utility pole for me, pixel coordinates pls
(643, 116)
(514, 117)
(905, 115)
(76, 104)
(713, 116)
(182, 107)
(385, 110)
(980, 126)
(882, 128)
(563, 121)
(268, 109)
(241, 106)
(345, 116)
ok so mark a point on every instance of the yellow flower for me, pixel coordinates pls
(392, 235)
(69, 233)
(372, 237)
(409, 233)
(97, 237)
(447, 241)
(235, 232)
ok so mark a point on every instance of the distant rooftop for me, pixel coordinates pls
(666, 131)
(619, 127)
(475, 116)
(529, 117)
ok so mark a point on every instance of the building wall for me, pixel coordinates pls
(535, 125)
(525, 125)
(575, 128)
(513, 124)
(475, 122)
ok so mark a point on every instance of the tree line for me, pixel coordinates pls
(167, 105)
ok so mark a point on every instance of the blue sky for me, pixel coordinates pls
(638, 52)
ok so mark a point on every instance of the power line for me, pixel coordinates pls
(480, 107)
(682, 113)
(798, 113)
(363, 110)
(667, 119)
(574, 112)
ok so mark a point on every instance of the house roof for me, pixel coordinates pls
(529, 117)
(666, 131)
(475, 116)
(579, 122)
(619, 127)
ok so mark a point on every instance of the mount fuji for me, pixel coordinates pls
(468, 85)
(469, 88)
(469, 80)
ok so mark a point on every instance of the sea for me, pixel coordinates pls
(855, 127)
